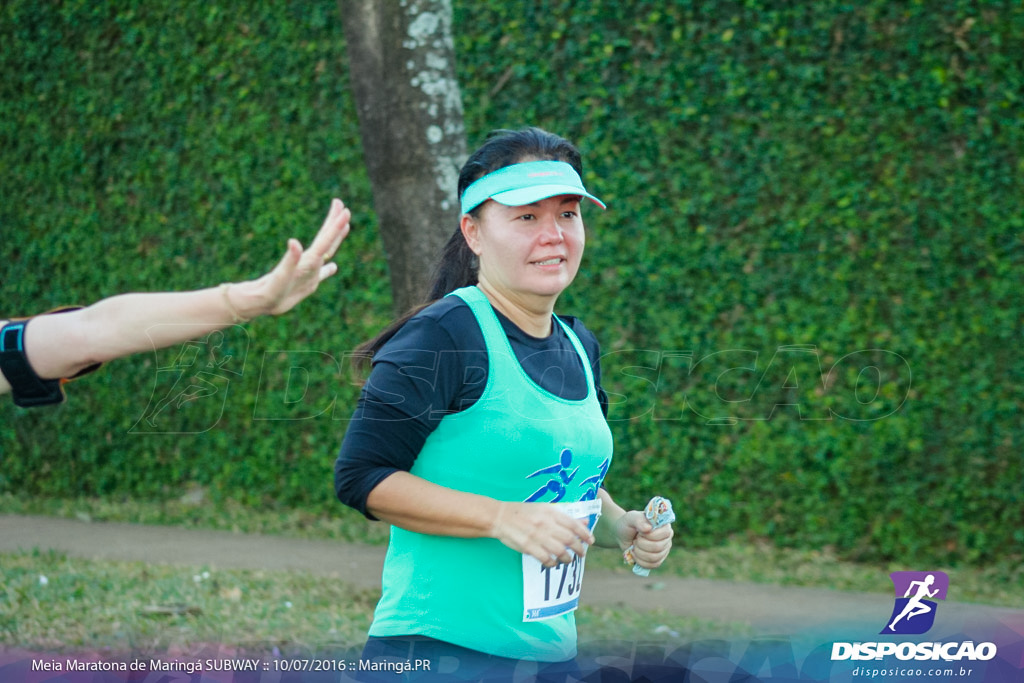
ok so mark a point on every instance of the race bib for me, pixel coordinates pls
(552, 591)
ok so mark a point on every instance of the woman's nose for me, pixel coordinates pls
(551, 231)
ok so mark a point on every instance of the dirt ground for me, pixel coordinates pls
(768, 610)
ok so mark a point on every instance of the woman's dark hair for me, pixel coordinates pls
(457, 266)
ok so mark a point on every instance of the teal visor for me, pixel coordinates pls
(526, 183)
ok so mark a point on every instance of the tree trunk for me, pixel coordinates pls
(402, 65)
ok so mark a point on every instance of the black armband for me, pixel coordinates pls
(28, 388)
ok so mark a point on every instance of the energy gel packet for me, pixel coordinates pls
(659, 513)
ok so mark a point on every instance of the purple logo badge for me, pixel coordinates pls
(916, 592)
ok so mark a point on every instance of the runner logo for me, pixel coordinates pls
(913, 614)
(914, 610)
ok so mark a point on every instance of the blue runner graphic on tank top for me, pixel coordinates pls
(595, 481)
(559, 478)
(561, 475)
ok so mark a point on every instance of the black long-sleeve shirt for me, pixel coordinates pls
(435, 365)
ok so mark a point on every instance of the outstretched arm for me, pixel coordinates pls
(63, 345)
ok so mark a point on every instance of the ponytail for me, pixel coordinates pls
(457, 268)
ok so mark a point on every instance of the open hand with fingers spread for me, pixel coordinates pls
(299, 272)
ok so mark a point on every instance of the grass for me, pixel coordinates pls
(50, 602)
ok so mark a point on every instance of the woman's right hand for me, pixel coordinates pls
(542, 531)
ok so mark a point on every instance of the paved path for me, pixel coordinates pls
(769, 610)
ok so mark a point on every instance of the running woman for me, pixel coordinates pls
(481, 435)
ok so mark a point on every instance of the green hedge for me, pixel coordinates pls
(806, 284)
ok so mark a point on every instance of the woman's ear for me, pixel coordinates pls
(471, 231)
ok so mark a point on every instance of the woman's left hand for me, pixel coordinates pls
(650, 546)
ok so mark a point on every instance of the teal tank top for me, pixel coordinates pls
(517, 443)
